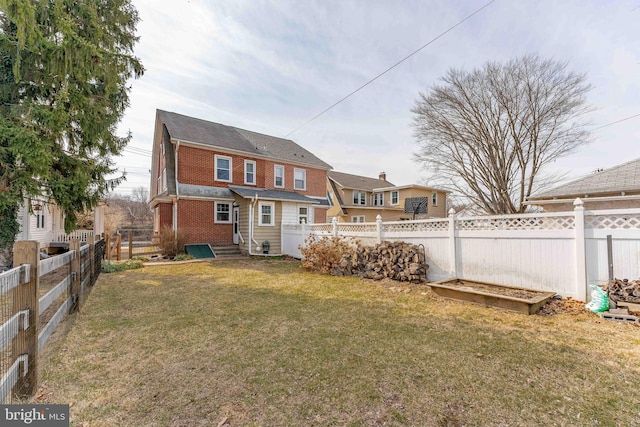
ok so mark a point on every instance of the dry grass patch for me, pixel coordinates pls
(262, 342)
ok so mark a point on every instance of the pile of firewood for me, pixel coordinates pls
(624, 290)
(394, 260)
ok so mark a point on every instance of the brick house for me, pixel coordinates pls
(228, 186)
(358, 198)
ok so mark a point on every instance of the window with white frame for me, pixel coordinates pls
(359, 198)
(434, 199)
(278, 176)
(395, 198)
(378, 199)
(223, 212)
(156, 219)
(300, 179)
(40, 219)
(266, 213)
(223, 168)
(358, 218)
(250, 172)
(303, 215)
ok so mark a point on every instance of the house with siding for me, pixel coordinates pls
(358, 198)
(42, 220)
(615, 188)
(227, 186)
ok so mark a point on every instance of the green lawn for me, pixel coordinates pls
(264, 343)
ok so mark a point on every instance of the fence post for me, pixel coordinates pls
(26, 297)
(119, 246)
(108, 247)
(334, 223)
(74, 290)
(130, 245)
(581, 252)
(91, 240)
(453, 267)
(378, 229)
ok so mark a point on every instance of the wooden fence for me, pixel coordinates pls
(35, 308)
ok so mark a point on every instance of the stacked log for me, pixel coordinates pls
(624, 290)
(393, 260)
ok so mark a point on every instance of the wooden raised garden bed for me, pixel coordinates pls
(493, 295)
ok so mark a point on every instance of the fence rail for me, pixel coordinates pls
(22, 335)
(564, 252)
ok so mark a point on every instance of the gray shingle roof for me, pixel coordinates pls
(191, 129)
(624, 177)
(204, 191)
(357, 182)
(288, 196)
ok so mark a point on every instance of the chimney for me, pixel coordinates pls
(382, 176)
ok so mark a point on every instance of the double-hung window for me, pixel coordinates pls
(223, 168)
(250, 172)
(299, 179)
(266, 213)
(223, 212)
(359, 198)
(278, 176)
(40, 219)
(394, 198)
(303, 215)
(358, 218)
(378, 199)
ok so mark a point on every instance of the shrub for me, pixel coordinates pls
(326, 254)
(172, 241)
(113, 267)
(183, 257)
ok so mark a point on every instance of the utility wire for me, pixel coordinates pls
(390, 68)
(617, 121)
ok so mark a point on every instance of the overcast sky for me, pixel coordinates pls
(270, 66)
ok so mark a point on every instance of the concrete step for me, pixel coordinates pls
(226, 250)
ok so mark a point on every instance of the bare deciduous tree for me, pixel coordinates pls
(488, 134)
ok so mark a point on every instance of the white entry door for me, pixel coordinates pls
(236, 225)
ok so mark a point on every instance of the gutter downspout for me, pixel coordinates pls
(175, 154)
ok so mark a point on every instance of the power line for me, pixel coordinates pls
(390, 68)
(617, 121)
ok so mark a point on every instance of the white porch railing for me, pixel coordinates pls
(562, 252)
(77, 234)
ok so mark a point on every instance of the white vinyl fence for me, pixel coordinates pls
(562, 252)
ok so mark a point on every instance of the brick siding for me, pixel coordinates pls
(196, 218)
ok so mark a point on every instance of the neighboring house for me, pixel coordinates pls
(45, 224)
(227, 186)
(360, 199)
(615, 188)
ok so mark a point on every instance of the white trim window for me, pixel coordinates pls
(266, 213)
(303, 214)
(299, 179)
(395, 197)
(250, 172)
(223, 168)
(358, 218)
(223, 213)
(378, 199)
(40, 219)
(359, 198)
(278, 176)
(434, 199)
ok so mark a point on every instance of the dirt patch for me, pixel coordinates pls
(562, 306)
(493, 289)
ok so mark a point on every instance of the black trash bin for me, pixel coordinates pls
(265, 247)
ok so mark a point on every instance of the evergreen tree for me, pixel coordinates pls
(64, 67)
